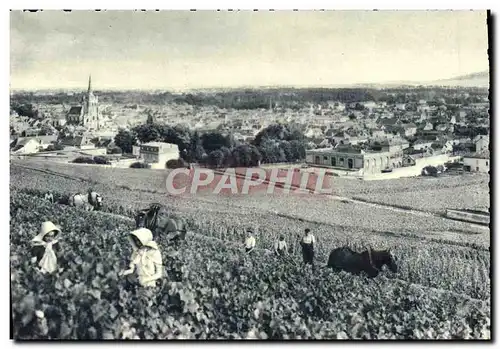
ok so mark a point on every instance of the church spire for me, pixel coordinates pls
(90, 84)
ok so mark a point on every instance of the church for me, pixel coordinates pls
(86, 114)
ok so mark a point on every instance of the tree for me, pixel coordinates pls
(215, 159)
(195, 150)
(214, 141)
(181, 136)
(298, 150)
(25, 110)
(125, 140)
(246, 155)
(279, 132)
(270, 151)
(287, 150)
(146, 133)
(255, 155)
(228, 157)
(176, 163)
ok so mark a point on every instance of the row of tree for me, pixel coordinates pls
(276, 143)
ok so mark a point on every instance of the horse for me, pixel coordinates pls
(156, 219)
(90, 202)
(369, 261)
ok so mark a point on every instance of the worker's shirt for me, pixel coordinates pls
(250, 242)
(309, 239)
(280, 246)
(146, 262)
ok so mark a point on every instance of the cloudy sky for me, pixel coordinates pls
(182, 49)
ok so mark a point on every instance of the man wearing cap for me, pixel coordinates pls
(308, 241)
(43, 247)
(146, 258)
(250, 241)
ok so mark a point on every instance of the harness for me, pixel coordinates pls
(151, 222)
(370, 259)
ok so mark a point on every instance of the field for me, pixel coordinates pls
(135, 188)
(442, 288)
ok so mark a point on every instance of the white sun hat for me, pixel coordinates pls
(46, 228)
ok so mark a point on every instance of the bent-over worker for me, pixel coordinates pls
(280, 247)
(146, 258)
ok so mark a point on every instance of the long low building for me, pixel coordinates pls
(156, 154)
(352, 159)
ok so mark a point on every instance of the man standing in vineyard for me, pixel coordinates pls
(307, 243)
(146, 258)
(250, 241)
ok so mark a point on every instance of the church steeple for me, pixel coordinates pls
(90, 84)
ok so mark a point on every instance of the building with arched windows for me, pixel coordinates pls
(353, 159)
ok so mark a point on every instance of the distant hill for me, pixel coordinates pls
(481, 79)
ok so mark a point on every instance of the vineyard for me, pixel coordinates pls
(214, 291)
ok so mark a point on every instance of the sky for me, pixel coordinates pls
(201, 49)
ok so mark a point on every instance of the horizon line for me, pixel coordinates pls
(347, 85)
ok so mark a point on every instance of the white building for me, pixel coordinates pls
(477, 162)
(351, 159)
(482, 143)
(156, 154)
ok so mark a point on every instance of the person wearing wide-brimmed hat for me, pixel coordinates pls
(146, 258)
(250, 241)
(43, 247)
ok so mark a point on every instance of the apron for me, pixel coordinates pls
(145, 261)
(308, 252)
(48, 263)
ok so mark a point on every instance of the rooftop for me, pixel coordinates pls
(160, 144)
(485, 154)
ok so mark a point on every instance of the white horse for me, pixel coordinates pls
(90, 202)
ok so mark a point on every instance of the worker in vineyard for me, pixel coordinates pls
(280, 246)
(308, 241)
(49, 197)
(250, 241)
(146, 258)
(43, 247)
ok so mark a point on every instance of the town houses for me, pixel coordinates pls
(415, 128)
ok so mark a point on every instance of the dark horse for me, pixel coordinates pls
(156, 219)
(370, 261)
